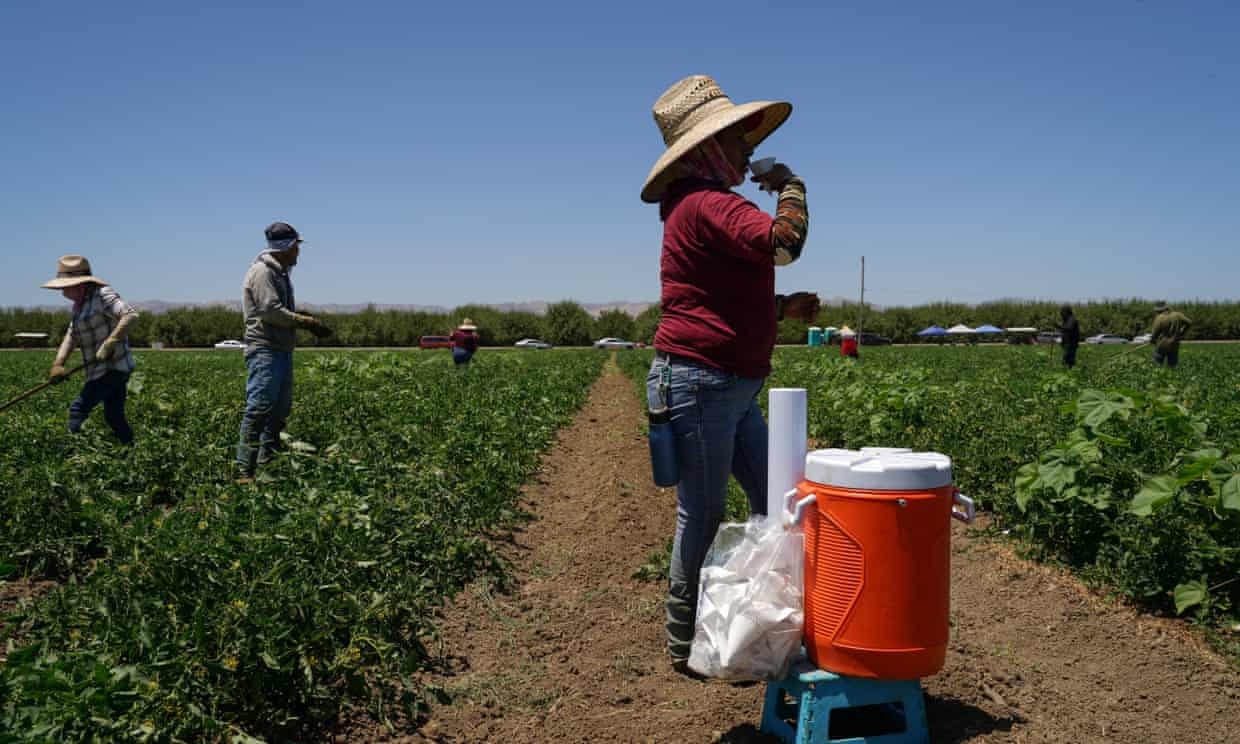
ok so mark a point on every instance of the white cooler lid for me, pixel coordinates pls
(879, 469)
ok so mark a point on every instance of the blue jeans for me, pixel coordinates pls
(268, 401)
(461, 355)
(719, 432)
(110, 390)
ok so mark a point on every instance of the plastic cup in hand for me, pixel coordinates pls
(761, 167)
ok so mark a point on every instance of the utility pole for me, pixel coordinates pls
(861, 306)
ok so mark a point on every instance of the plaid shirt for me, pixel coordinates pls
(93, 323)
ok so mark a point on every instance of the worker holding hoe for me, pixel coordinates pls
(1170, 327)
(718, 327)
(100, 319)
(271, 323)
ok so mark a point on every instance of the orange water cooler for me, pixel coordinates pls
(878, 560)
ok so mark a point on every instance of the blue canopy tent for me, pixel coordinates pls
(988, 329)
(932, 331)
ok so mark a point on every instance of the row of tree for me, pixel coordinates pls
(569, 324)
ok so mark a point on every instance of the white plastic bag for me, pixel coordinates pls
(750, 602)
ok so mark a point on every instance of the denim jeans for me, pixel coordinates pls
(719, 432)
(461, 355)
(268, 401)
(110, 390)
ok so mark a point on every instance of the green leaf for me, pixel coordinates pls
(1096, 407)
(1191, 471)
(1210, 453)
(1157, 491)
(1231, 493)
(1085, 450)
(1188, 595)
(1027, 483)
(1056, 476)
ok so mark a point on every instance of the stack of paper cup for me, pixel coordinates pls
(786, 445)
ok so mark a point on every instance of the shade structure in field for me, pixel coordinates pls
(932, 331)
(960, 329)
(988, 329)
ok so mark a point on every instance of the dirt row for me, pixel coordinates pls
(574, 652)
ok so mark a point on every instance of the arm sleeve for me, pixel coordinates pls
(282, 317)
(790, 227)
(735, 226)
(1157, 331)
(113, 305)
(117, 309)
(267, 303)
(66, 346)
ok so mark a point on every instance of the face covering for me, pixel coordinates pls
(708, 162)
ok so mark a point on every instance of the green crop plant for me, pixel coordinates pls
(1125, 471)
(190, 608)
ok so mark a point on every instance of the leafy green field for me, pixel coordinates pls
(1128, 472)
(189, 608)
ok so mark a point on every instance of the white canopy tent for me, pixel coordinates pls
(960, 329)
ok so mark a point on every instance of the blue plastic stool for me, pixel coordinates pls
(810, 696)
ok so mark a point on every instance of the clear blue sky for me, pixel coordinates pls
(453, 152)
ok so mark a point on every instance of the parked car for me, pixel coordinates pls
(872, 339)
(1048, 337)
(435, 342)
(1144, 338)
(614, 343)
(1106, 338)
(532, 343)
(231, 343)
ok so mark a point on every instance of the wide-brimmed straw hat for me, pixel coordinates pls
(71, 271)
(695, 109)
(467, 325)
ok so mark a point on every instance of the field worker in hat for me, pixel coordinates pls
(271, 323)
(464, 342)
(1170, 327)
(718, 327)
(98, 327)
(848, 344)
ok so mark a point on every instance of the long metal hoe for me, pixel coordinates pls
(39, 388)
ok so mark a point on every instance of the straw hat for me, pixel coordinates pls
(71, 271)
(467, 325)
(693, 110)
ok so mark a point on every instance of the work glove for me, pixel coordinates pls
(316, 326)
(106, 350)
(57, 374)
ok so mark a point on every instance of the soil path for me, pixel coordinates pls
(574, 652)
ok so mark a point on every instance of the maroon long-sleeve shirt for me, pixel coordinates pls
(718, 276)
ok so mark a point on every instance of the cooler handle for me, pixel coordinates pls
(970, 509)
(795, 510)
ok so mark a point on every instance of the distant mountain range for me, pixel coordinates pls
(538, 307)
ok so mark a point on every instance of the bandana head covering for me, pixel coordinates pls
(708, 162)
